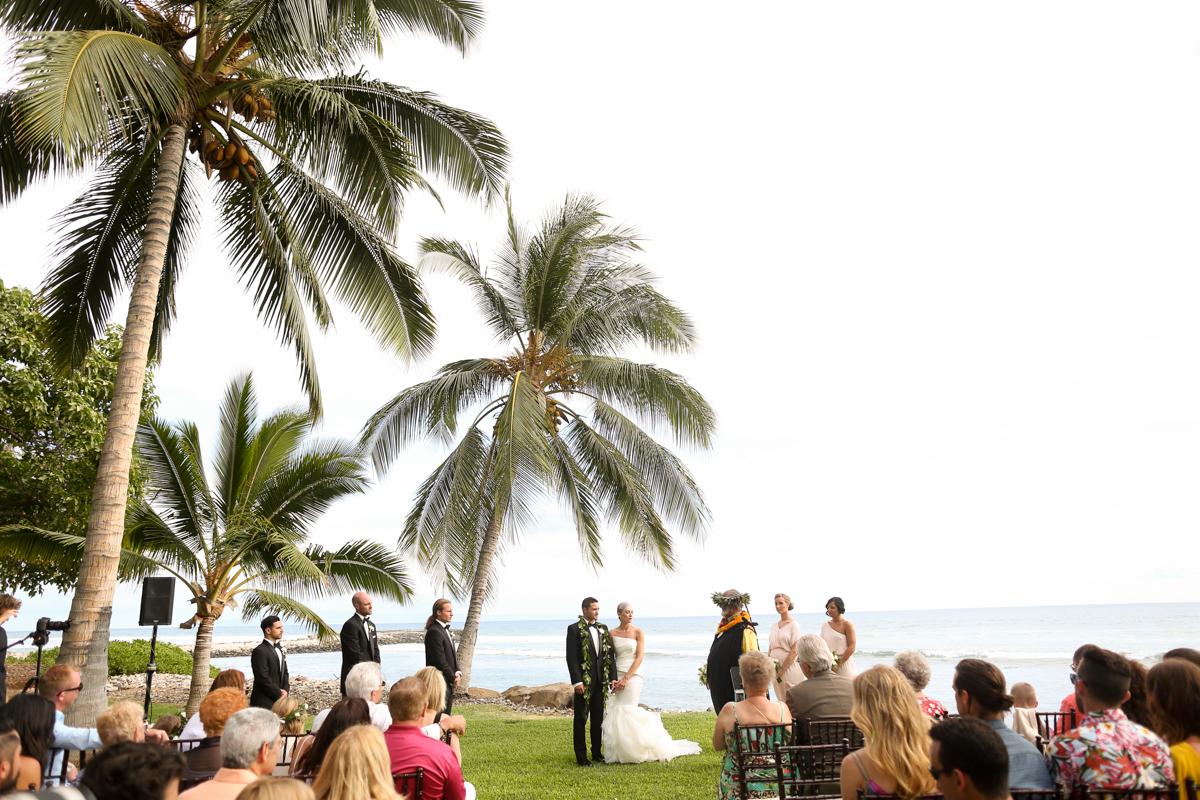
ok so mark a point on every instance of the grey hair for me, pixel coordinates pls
(363, 679)
(814, 651)
(914, 667)
(756, 670)
(245, 734)
(621, 607)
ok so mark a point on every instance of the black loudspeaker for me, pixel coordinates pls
(158, 600)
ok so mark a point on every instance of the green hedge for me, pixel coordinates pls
(131, 658)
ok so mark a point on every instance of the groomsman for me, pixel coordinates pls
(268, 665)
(439, 648)
(359, 642)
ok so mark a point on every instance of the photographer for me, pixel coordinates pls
(9, 606)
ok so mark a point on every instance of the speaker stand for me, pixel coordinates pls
(151, 668)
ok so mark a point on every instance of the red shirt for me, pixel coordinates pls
(410, 748)
(1068, 705)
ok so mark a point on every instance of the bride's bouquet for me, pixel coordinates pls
(704, 674)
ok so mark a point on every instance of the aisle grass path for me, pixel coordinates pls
(509, 756)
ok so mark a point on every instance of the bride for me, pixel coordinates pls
(630, 733)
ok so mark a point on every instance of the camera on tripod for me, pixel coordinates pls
(41, 635)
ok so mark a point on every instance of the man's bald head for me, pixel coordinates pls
(362, 603)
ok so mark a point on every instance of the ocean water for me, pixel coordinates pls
(1030, 644)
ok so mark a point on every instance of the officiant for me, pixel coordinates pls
(735, 635)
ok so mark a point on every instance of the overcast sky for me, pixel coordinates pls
(942, 261)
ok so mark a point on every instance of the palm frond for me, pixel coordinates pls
(622, 490)
(237, 418)
(355, 566)
(450, 514)
(75, 85)
(675, 493)
(429, 407)
(65, 15)
(270, 252)
(465, 150)
(175, 469)
(362, 267)
(258, 603)
(21, 166)
(575, 495)
(148, 535)
(304, 488)
(658, 396)
(461, 261)
(522, 464)
(99, 242)
(336, 139)
(65, 550)
(455, 23)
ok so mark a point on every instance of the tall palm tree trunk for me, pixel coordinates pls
(201, 657)
(483, 569)
(85, 644)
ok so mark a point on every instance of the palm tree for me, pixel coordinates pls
(559, 415)
(313, 172)
(237, 536)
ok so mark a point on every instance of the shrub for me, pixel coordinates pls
(131, 658)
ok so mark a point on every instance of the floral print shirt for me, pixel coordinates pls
(1107, 750)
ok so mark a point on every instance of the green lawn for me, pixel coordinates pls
(511, 755)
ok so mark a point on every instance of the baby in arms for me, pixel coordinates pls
(1024, 718)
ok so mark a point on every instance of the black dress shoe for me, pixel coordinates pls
(584, 763)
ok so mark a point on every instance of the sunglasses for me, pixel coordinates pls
(937, 773)
(1074, 678)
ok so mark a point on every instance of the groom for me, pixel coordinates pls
(592, 663)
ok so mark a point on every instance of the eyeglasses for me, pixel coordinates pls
(937, 773)
(1074, 678)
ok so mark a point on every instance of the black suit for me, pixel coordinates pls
(439, 653)
(603, 670)
(270, 676)
(3, 669)
(359, 644)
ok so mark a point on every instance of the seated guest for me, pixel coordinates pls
(31, 716)
(895, 755)
(61, 685)
(979, 692)
(1135, 707)
(10, 761)
(1106, 750)
(249, 750)
(230, 678)
(1173, 690)
(758, 672)
(1186, 653)
(215, 710)
(968, 760)
(825, 694)
(357, 767)
(435, 724)
(408, 748)
(365, 682)
(121, 722)
(134, 771)
(914, 667)
(1024, 713)
(168, 724)
(290, 711)
(277, 789)
(310, 751)
(1068, 703)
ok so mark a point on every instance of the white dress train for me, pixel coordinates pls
(630, 733)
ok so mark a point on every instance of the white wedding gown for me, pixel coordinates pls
(630, 733)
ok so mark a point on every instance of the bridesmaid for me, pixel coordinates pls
(838, 633)
(785, 644)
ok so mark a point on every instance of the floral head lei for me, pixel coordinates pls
(722, 600)
(297, 713)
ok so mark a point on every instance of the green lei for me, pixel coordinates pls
(605, 649)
